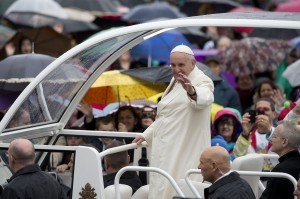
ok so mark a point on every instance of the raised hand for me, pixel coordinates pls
(87, 110)
(186, 83)
(278, 97)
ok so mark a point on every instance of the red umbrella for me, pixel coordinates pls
(247, 30)
(290, 6)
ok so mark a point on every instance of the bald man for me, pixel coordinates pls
(215, 168)
(28, 181)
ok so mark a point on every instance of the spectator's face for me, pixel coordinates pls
(106, 127)
(245, 82)
(277, 140)
(297, 190)
(206, 167)
(266, 106)
(226, 127)
(224, 43)
(181, 63)
(127, 118)
(266, 90)
(26, 46)
(23, 120)
(74, 140)
(215, 67)
(147, 117)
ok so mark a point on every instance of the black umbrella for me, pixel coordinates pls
(164, 74)
(202, 7)
(275, 33)
(150, 11)
(92, 5)
(22, 14)
(17, 71)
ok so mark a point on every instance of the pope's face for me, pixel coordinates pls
(181, 63)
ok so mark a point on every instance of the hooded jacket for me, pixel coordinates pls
(238, 128)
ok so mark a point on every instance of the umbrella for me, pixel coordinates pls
(36, 13)
(164, 74)
(254, 55)
(17, 71)
(7, 98)
(110, 6)
(4, 5)
(45, 40)
(150, 11)
(80, 15)
(202, 7)
(114, 86)
(275, 33)
(289, 6)
(193, 34)
(5, 34)
(156, 97)
(247, 30)
(159, 46)
(292, 74)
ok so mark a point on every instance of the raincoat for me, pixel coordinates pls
(238, 129)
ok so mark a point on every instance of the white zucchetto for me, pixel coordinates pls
(183, 49)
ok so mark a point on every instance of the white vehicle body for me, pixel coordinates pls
(68, 75)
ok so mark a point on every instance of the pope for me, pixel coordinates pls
(181, 130)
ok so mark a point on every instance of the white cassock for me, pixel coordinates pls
(180, 132)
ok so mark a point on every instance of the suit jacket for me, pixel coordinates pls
(32, 183)
(279, 188)
(180, 132)
(231, 187)
(129, 178)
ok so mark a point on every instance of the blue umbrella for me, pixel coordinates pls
(158, 48)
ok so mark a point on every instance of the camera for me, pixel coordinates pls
(148, 114)
(260, 111)
(254, 113)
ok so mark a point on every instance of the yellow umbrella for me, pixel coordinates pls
(214, 109)
(114, 86)
(154, 98)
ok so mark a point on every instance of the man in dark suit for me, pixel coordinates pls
(215, 168)
(285, 142)
(114, 162)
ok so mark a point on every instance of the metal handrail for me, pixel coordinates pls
(190, 184)
(122, 148)
(139, 168)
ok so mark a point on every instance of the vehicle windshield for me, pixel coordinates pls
(49, 100)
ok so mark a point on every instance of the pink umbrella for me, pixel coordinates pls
(247, 30)
(290, 6)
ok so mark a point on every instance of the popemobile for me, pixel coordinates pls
(73, 78)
